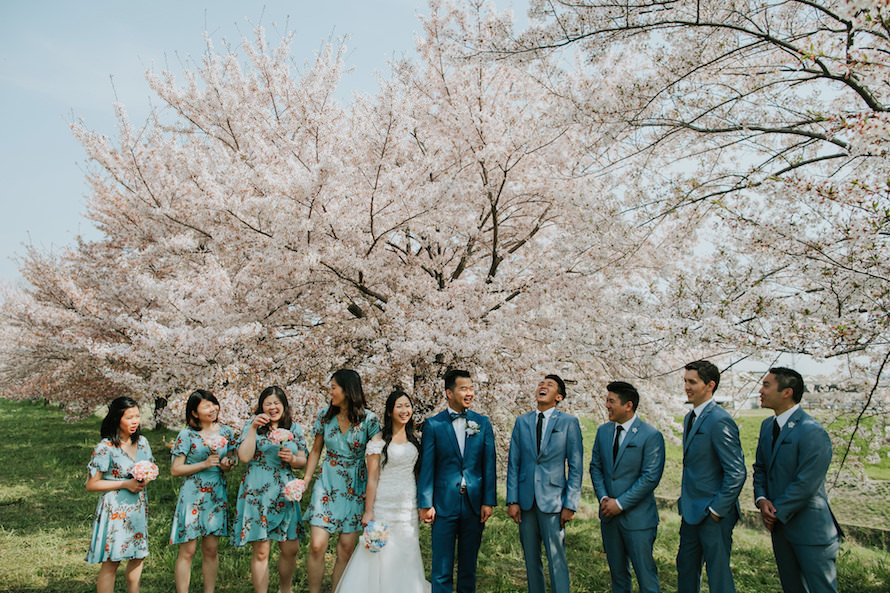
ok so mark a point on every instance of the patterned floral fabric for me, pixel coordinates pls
(338, 497)
(120, 525)
(202, 507)
(262, 513)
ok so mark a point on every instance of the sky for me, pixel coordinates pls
(62, 62)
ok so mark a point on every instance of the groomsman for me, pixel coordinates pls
(457, 485)
(713, 475)
(544, 484)
(626, 467)
(793, 455)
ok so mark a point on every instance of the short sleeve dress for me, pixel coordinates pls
(120, 525)
(261, 512)
(203, 506)
(338, 497)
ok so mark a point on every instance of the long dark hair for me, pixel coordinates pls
(409, 428)
(286, 419)
(111, 424)
(351, 384)
(191, 406)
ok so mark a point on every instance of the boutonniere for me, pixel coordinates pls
(791, 425)
(472, 428)
(634, 430)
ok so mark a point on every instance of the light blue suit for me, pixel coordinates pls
(791, 475)
(631, 479)
(442, 469)
(543, 484)
(713, 475)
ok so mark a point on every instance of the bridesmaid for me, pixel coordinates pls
(262, 513)
(199, 454)
(120, 525)
(338, 496)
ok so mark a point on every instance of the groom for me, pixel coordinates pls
(456, 489)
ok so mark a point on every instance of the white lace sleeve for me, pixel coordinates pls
(374, 447)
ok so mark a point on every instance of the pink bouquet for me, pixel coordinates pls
(144, 471)
(280, 436)
(215, 442)
(374, 536)
(293, 490)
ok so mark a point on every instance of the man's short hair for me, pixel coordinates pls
(559, 383)
(706, 370)
(451, 377)
(789, 378)
(625, 392)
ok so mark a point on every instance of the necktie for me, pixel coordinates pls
(539, 428)
(690, 420)
(455, 415)
(618, 430)
(776, 430)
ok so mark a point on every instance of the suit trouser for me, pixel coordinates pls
(805, 568)
(634, 547)
(465, 530)
(536, 528)
(709, 542)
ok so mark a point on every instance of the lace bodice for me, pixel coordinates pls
(396, 499)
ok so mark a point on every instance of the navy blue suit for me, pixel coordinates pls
(713, 475)
(790, 473)
(442, 470)
(631, 479)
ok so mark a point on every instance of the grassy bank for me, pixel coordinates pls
(46, 515)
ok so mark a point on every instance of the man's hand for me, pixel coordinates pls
(515, 513)
(609, 507)
(485, 513)
(565, 516)
(427, 515)
(767, 513)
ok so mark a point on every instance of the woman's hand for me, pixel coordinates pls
(227, 463)
(134, 485)
(288, 456)
(367, 518)
(212, 460)
(260, 420)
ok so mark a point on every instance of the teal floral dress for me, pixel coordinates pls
(261, 512)
(120, 525)
(338, 497)
(203, 506)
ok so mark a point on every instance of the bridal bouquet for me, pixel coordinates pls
(215, 442)
(280, 436)
(293, 490)
(374, 536)
(144, 471)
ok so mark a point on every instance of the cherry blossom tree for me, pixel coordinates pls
(761, 129)
(258, 231)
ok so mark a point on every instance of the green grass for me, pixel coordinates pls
(46, 516)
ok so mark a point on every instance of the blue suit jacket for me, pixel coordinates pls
(442, 466)
(713, 466)
(791, 475)
(634, 474)
(551, 479)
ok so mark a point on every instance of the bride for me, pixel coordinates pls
(391, 499)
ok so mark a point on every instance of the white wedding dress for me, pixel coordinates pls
(397, 567)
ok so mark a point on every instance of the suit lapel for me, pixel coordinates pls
(551, 425)
(696, 426)
(448, 426)
(631, 434)
(785, 433)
